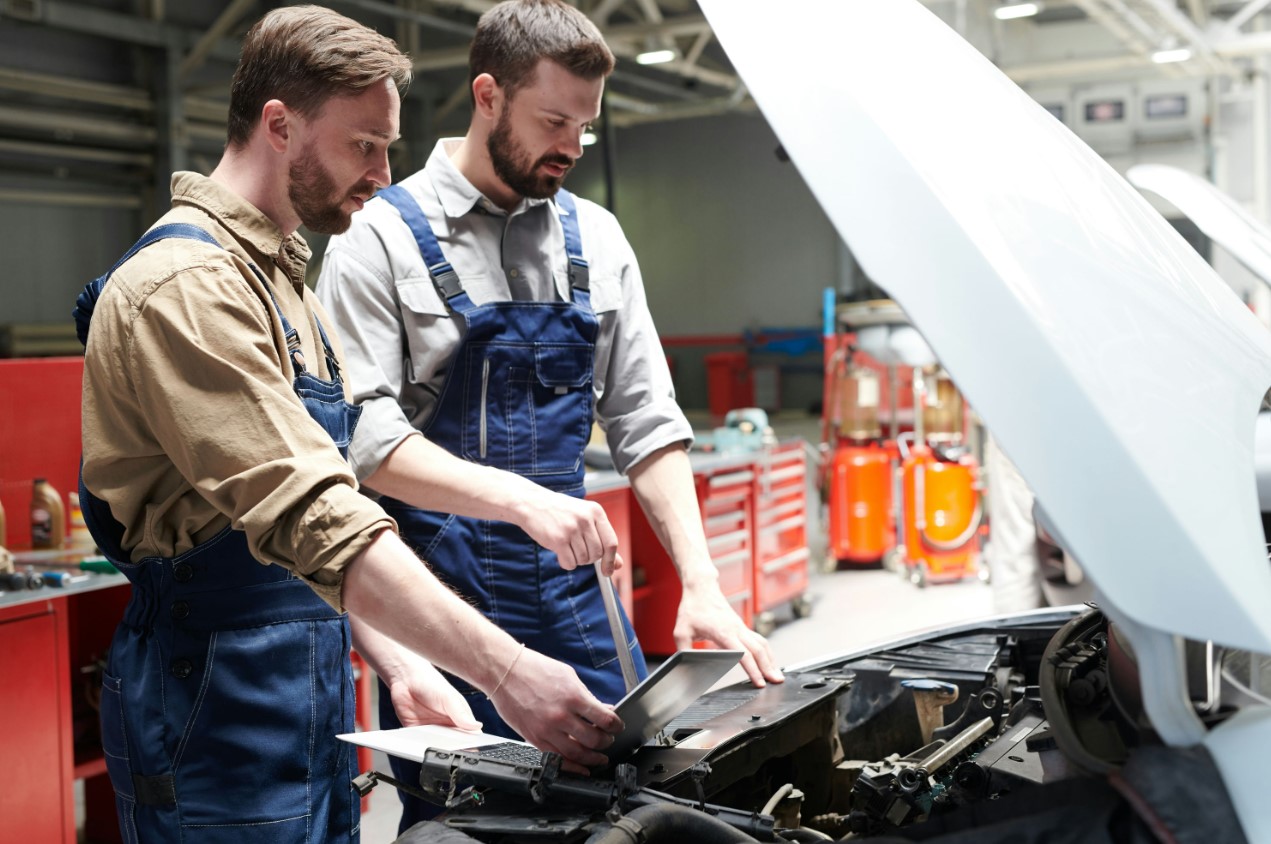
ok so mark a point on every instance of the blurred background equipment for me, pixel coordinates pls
(901, 482)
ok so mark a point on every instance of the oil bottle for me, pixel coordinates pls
(48, 519)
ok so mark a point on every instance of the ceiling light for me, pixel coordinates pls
(1180, 54)
(656, 57)
(1008, 11)
(587, 139)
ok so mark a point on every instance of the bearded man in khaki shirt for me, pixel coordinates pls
(214, 418)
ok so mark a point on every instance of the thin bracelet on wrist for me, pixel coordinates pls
(511, 665)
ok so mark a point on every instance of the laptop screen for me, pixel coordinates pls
(646, 709)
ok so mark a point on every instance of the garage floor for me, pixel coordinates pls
(850, 609)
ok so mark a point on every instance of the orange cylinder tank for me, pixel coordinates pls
(861, 529)
(941, 517)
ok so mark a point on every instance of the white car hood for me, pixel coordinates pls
(1117, 370)
(1215, 213)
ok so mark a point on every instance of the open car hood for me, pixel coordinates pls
(1215, 213)
(1120, 374)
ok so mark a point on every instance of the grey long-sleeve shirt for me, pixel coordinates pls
(399, 336)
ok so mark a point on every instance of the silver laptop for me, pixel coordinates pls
(646, 709)
(664, 694)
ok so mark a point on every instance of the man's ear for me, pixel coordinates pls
(487, 96)
(276, 125)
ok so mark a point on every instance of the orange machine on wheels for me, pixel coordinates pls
(859, 464)
(859, 480)
(941, 509)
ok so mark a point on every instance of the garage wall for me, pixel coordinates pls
(728, 237)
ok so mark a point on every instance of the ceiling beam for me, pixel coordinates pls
(1246, 14)
(224, 22)
(600, 14)
(422, 18)
(1185, 29)
(1199, 12)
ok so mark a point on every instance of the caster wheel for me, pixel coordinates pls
(892, 560)
(765, 623)
(918, 577)
(801, 606)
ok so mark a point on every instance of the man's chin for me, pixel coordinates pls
(329, 223)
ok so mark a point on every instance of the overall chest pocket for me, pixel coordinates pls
(527, 407)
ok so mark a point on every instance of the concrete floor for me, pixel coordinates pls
(850, 609)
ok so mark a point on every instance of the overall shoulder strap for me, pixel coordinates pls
(87, 300)
(579, 270)
(443, 275)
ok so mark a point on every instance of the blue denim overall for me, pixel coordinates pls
(228, 680)
(517, 396)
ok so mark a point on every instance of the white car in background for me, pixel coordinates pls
(1123, 378)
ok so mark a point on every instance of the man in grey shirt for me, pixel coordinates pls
(493, 312)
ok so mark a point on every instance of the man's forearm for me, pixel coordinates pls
(426, 476)
(388, 589)
(385, 656)
(663, 484)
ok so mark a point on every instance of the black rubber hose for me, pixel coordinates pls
(667, 822)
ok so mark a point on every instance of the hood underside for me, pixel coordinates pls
(1119, 373)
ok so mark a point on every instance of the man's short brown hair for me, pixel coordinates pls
(303, 56)
(515, 35)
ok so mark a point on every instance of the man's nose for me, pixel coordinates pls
(380, 174)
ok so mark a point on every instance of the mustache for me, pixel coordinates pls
(363, 189)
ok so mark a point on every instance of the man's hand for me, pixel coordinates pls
(705, 614)
(421, 695)
(427, 476)
(546, 703)
(577, 531)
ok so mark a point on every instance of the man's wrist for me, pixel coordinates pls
(700, 577)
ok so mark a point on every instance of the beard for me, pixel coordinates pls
(314, 196)
(512, 163)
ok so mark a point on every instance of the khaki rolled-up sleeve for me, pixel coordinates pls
(205, 367)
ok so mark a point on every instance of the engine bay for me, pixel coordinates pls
(992, 726)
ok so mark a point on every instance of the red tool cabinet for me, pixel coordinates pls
(727, 499)
(725, 496)
(781, 535)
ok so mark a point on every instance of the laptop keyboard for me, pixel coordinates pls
(513, 752)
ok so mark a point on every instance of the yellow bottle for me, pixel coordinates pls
(48, 519)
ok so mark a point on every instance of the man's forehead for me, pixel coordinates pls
(374, 110)
(556, 90)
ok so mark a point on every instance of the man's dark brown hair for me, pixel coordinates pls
(515, 35)
(303, 56)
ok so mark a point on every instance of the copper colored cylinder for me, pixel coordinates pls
(942, 413)
(858, 394)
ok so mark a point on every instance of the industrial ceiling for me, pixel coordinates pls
(117, 92)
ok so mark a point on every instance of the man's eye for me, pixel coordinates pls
(366, 146)
(556, 124)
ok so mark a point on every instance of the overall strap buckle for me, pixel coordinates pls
(579, 269)
(439, 269)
